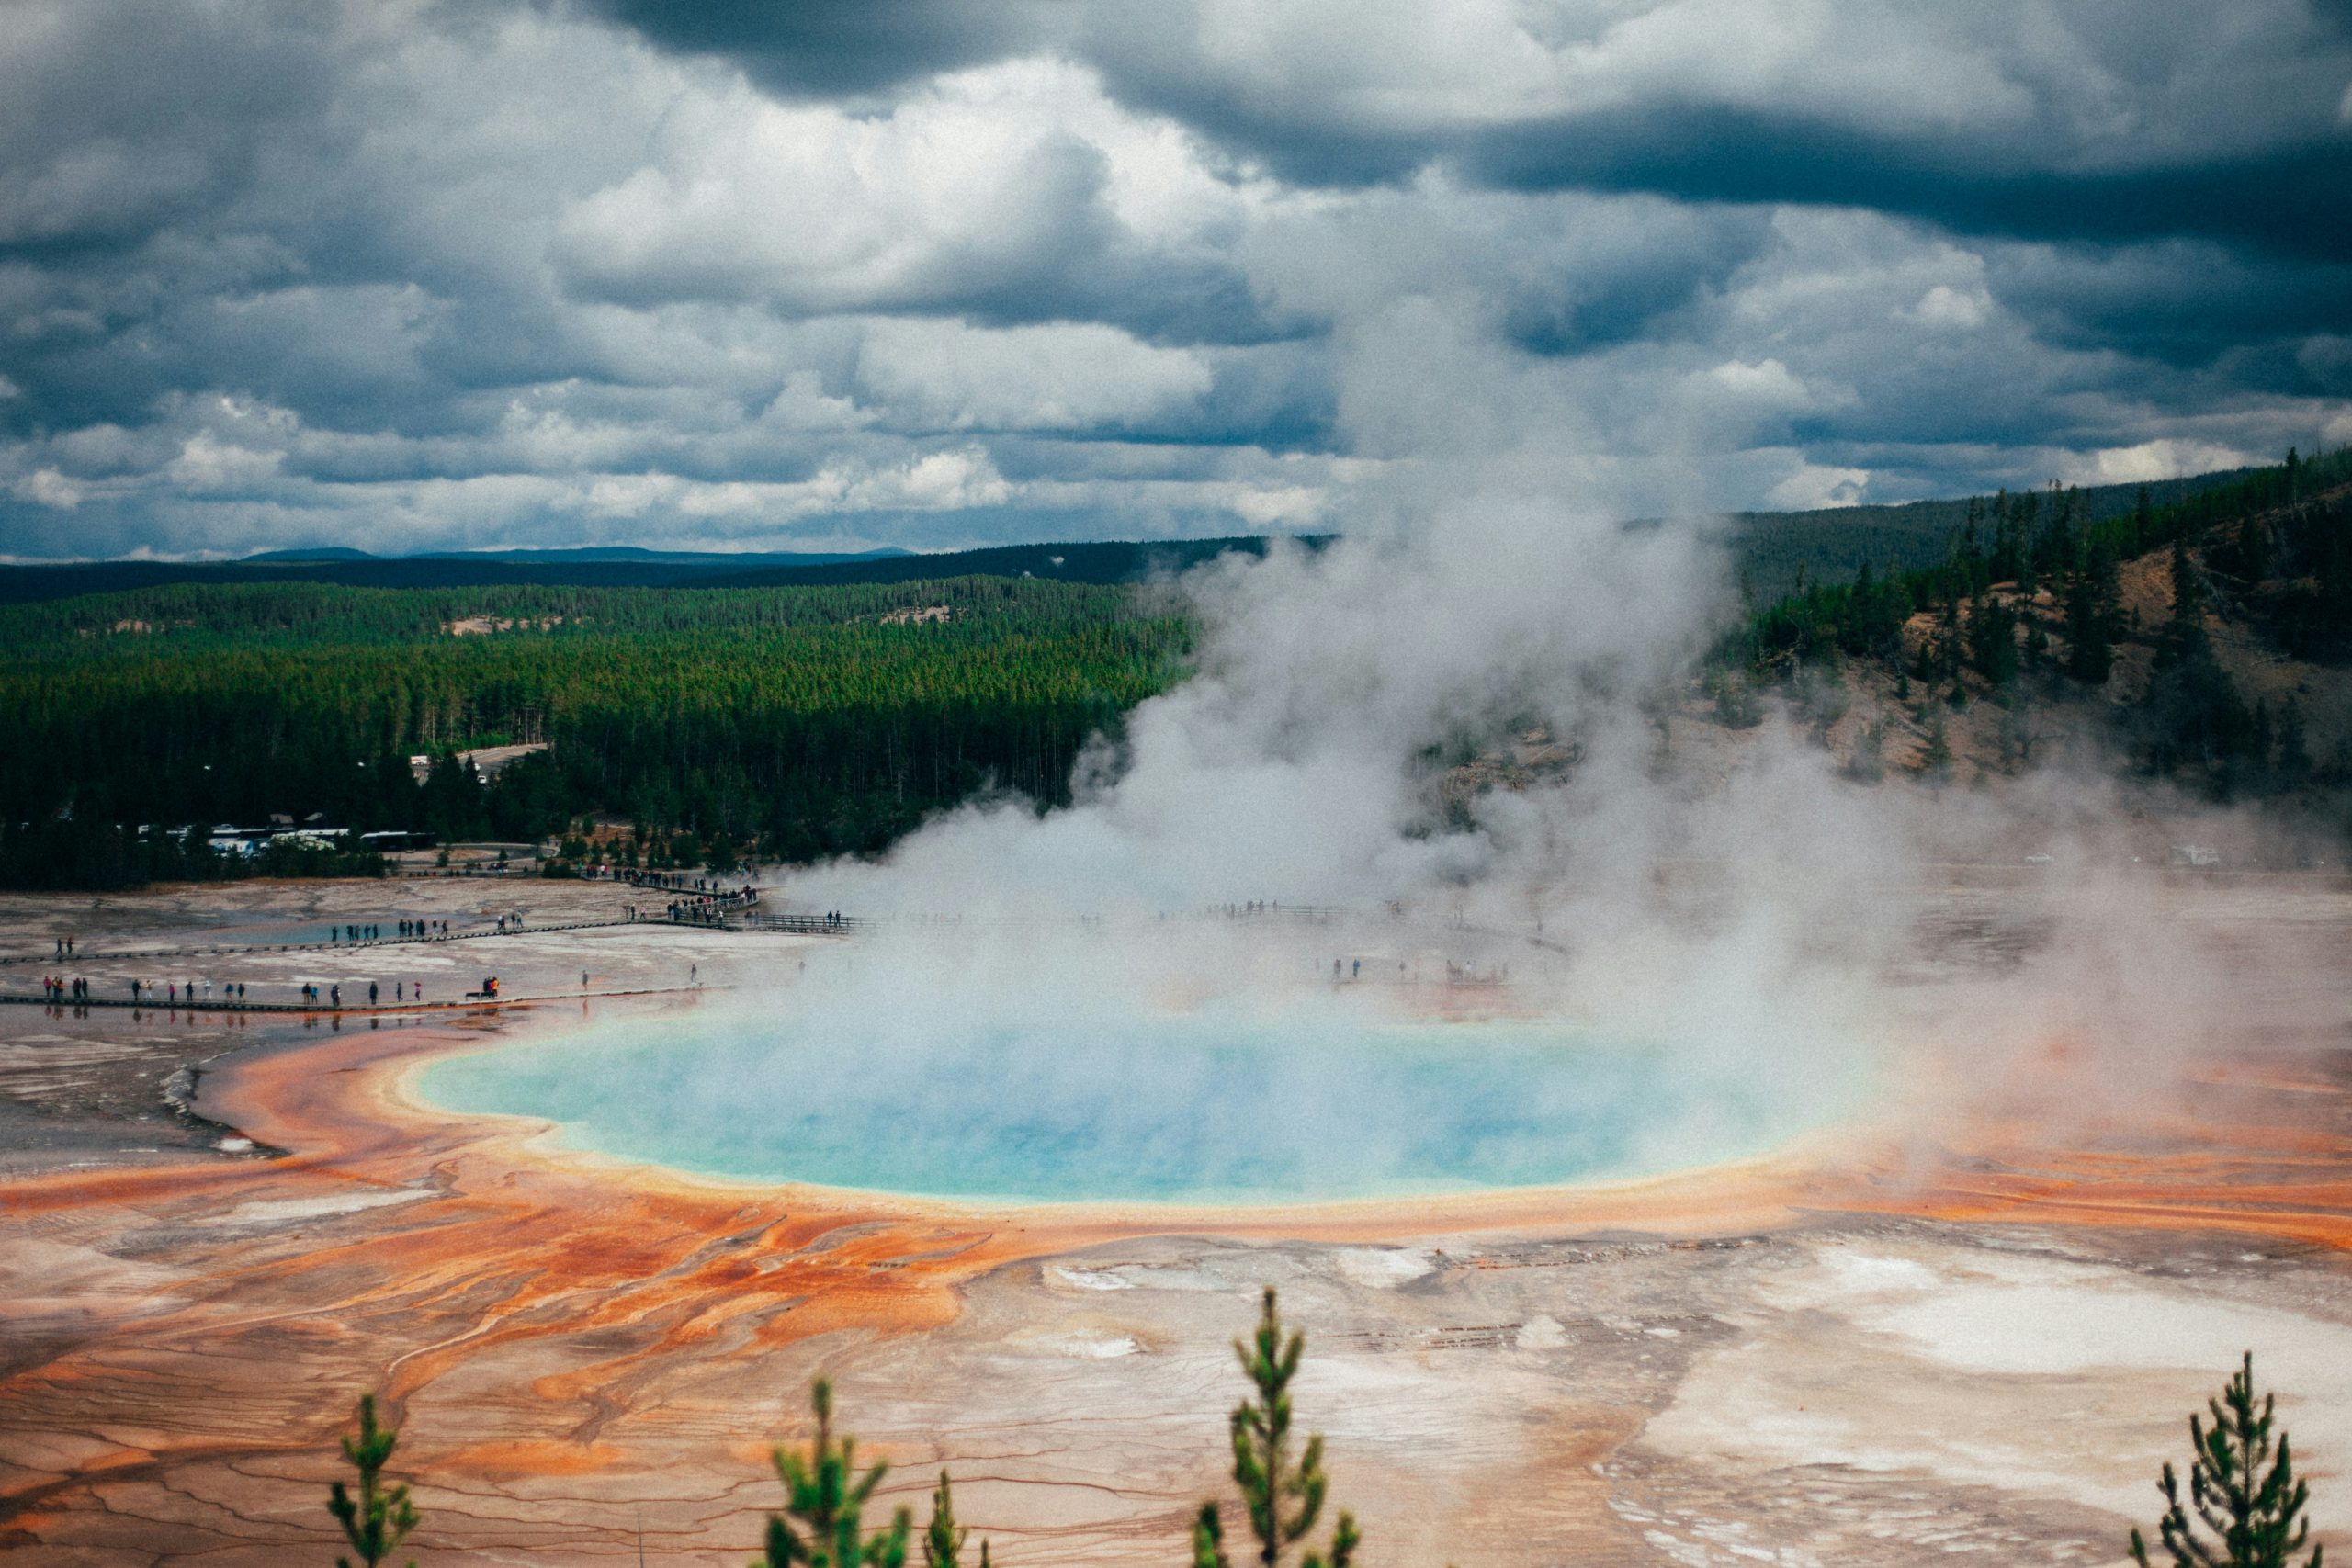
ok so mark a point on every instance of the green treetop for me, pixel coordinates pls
(2246, 1503)
(375, 1520)
(1282, 1497)
(826, 1498)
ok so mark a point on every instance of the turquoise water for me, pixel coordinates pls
(1196, 1109)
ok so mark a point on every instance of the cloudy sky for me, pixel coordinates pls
(810, 274)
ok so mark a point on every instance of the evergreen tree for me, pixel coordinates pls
(2029, 549)
(2247, 1503)
(2057, 548)
(1283, 1499)
(2007, 563)
(1993, 639)
(2188, 596)
(2330, 546)
(2191, 711)
(943, 1541)
(826, 1496)
(2017, 737)
(1735, 703)
(1935, 757)
(375, 1520)
(1976, 566)
(1948, 637)
(2248, 554)
(2294, 746)
(2091, 627)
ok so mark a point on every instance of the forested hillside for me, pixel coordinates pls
(798, 720)
(1779, 553)
(794, 722)
(2207, 639)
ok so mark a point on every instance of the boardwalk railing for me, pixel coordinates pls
(795, 925)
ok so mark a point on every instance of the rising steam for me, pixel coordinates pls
(1746, 903)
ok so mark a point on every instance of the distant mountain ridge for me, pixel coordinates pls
(635, 553)
(1772, 547)
(1096, 561)
(313, 553)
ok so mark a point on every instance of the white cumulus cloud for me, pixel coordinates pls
(1065, 375)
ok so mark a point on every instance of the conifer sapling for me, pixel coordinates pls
(944, 1540)
(2247, 1502)
(826, 1498)
(1283, 1499)
(375, 1520)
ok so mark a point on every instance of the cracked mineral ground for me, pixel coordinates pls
(1968, 1324)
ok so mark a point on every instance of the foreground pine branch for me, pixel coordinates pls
(942, 1542)
(1283, 1499)
(2242, 1506)
(2247, 1504)
(380, 1517)
(826, 1498)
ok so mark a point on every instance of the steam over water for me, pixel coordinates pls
(1468, 732)
(1319, 1102)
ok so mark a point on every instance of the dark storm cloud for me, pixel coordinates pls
(832, 47)
(2181, 302)
(120, 120)
(2295, 200)
(2202, 126)
(413, 273)
(2101, 119)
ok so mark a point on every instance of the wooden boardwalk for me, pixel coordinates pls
(82, 958)
(792, 925)
(800, 925)
(470, 1003)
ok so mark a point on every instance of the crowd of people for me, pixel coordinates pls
(709, 906)
(707, 903)
(60, 990)
(672, 880)
(409, 931)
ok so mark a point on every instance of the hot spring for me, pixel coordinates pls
(1214, 1105)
